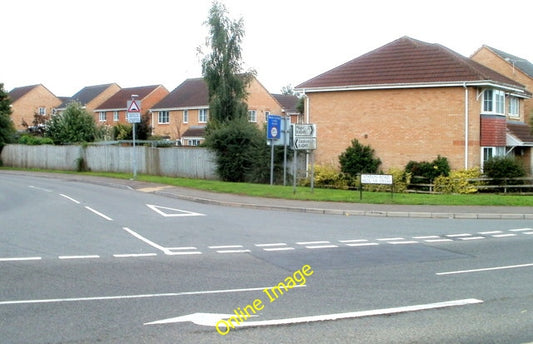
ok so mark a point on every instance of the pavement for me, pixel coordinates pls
(328, 208)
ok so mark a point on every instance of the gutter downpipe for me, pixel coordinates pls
(466, 125)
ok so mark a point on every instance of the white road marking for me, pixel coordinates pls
(438, 240)
(134, 255)
(521, 230)
(484, 269)
(147, 241)
(528, 233)
(182, 248)
(173, 211)
(402, 242)
(490, 232)
(473, 238)
(458, 235)
(321, 246)
(312, 242)
(211, 321)
(70, 198)
(225, 246)
(233, 251)
(38, 188)
(99, 213)
(139, 296)
(353, 241)
(183, 253)
(271, 245)
(91, 256)
(503, 235)
(19, 259)
(427, 237)
(363, 244)
(278, 249)
(390, 239)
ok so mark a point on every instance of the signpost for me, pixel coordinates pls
(304, 138)
(273, 133)
(134, 116)
(384, 179)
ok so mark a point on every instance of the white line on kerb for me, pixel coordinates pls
(70, 198)
(99, 213)
(484, 269)
(19, 259)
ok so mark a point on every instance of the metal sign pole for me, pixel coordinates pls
(271, 161)
(134, 159)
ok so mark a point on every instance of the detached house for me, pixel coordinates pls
(28, 101)
(90, 97)
(184, 113)
(412, 100)
(113, 110)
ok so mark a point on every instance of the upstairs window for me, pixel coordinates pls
(514, 107)
(42, 111)
(163, 117)
(185, 116)
(203, 115)
(252, 116)
(494, 102)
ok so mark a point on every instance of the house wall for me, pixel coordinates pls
(28, 105)
(102, 97)
(400, 125)
(176, 127)
(495, 62)
(260, 100)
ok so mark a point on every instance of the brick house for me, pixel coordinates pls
(519, 133)
(28, 101)
(183, 114)
(113, 110)
(412, 100)
(90, 97)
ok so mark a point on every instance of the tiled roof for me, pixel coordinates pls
(86, 94)
(519, 63)
(190, 93)
(18, 92)
(288, 102)
(195, 131)
(521, 131)
(406, 61)
(119, 100)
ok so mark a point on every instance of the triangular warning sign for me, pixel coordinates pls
(134, 107)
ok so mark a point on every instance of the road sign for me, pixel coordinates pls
(274, 127)
(304, 136)
(134, 111)
(305, 143)
(305, 130)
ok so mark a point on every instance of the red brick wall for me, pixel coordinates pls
(493, 131)
(400, 125)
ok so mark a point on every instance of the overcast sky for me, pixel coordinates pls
(69, 44)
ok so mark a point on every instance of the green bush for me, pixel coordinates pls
(500, 168)
(358, 159)
(326, 176)
(458, 182)
(35, 140)
(429, 170)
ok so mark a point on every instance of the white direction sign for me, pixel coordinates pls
(172, 212)
(305, 130)
(305, 143)
(304, 136)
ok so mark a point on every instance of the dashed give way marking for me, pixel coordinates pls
(211, 319)
(172, 212)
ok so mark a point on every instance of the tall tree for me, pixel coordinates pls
(222, 67)
(7, 128)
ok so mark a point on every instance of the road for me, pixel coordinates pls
(88, 263)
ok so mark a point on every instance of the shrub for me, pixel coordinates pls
(400, 178)
(429, 170)
(458, 182)
(326, 176)
(500, 168)
(358, 159)
(35, 140)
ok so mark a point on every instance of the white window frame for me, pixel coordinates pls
(252, 116)
(489, 153)
(193, 142)
(102, 116)
(115, 116)
(493, 102)
(267, 113)
(163, 117)
(203, 115)
(514, 107)
(42, 111)
(185, 116)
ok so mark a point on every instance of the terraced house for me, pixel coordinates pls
(412, 100)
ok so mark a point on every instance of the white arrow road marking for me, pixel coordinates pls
(210, 319)
(173, 212)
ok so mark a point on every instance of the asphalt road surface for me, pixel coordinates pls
(88, 263)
